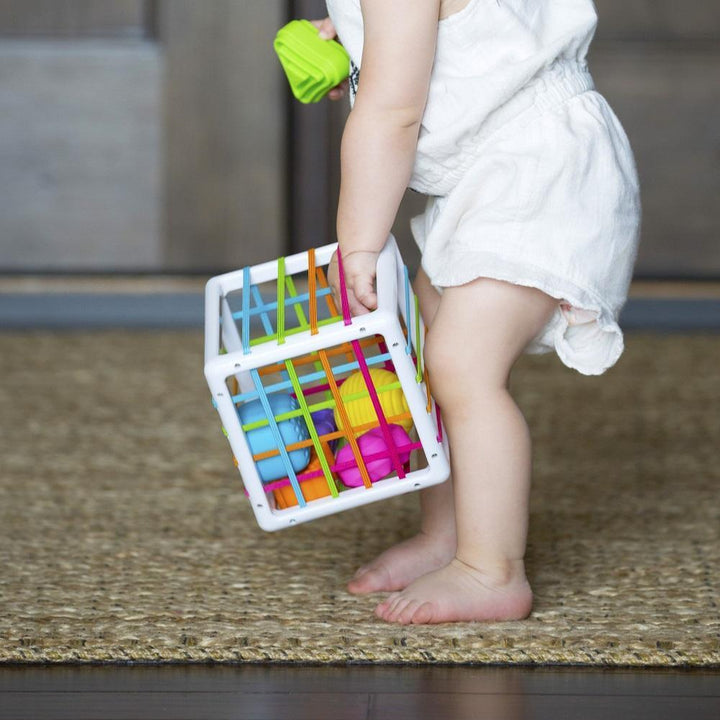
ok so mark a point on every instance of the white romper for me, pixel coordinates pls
(529, 174)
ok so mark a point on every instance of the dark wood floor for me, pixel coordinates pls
(355, 693)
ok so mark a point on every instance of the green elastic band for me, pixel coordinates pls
(302, 320)
(311, 427)
(418, 349)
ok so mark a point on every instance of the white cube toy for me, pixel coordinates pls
(323, 412)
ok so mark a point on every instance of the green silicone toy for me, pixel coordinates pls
(313, 66)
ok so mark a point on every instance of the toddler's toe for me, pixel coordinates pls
(406, 615)
(384, 607)
(424, 614)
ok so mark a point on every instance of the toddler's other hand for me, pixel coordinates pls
(326, 28)
(359, 269)
(327, 32)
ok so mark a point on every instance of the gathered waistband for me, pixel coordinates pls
(554, 86)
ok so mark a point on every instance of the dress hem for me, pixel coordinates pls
(591, 348)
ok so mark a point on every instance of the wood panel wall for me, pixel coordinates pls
(658, 20)
(80, 135)
(225, 133)
(658, 62)
(74, 18)
(314, 154)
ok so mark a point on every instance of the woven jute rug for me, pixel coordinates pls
(126, 535)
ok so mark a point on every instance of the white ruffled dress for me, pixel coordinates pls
(530, 176)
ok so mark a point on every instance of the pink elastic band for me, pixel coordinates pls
(384, 427)
(343, 290)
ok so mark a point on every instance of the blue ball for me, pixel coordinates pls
(262, 439)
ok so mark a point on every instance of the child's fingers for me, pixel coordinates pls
(357, 306)
(361, 295)
(360, 286)
(339, 91)
(365, 293)
(326, 28)
(326, 31)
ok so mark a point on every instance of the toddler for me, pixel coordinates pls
(528, 243)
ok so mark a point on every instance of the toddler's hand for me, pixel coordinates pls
(326, 28)
(359, 270)
(327, 32)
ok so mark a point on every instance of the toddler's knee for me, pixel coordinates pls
(449, 368)
(434, 355)
(456, 366)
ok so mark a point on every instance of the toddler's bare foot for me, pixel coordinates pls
(397, 567)
(459, 593)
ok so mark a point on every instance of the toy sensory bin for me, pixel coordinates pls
(323, 411)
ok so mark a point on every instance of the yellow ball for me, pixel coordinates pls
(361, 410)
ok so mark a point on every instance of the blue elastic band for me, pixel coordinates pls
(262, 395)
(261, 309)
(246, 311)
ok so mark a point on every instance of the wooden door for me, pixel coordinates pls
(225, 133)
(79, 135)
(141, 135)
(658, 62)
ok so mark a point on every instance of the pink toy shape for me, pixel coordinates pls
(370, 444)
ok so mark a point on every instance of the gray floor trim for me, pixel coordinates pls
(23, 311)
(96, 311)
(671, 315)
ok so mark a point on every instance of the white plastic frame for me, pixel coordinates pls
(221, 331)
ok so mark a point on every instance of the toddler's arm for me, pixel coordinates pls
(380, 137)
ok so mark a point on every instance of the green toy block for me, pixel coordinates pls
(313, 66)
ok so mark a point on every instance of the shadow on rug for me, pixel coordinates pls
(126, 535)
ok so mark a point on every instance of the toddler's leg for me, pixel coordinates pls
(479, 331)
(434, 546)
